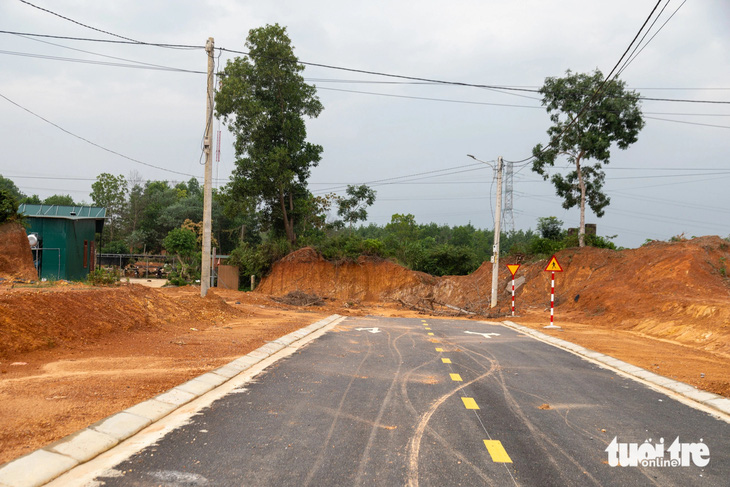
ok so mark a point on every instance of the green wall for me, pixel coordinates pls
(68, 236)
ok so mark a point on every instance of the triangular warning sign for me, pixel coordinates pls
(553, 265)
(513, 268)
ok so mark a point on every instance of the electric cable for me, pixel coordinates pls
(137, 161)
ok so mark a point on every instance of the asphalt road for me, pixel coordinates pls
(435, 403)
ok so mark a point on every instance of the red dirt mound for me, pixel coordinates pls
(678, 291)
(368, 279)
(37, 318)
(16, 259)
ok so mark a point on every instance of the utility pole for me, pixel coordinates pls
(497, 232)
(497, 228)
(207, 185)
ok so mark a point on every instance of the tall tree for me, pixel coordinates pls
(612, 116)
(110, 192)
(263, 100)
(354, 207)
(9, 186)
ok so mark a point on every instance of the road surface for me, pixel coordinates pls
(391, 402)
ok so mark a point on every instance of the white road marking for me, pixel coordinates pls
(485, 335)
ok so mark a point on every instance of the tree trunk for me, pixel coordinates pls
(288, 226)
(582, 185)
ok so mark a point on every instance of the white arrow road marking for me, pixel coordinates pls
(371, 330)
(485, 335)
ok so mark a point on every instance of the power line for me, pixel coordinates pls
(107, 41)
(93, 143)
(153, 67)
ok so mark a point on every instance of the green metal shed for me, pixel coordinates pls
(66, 236)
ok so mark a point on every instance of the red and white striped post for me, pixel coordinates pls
(552, 267)
(513, 269)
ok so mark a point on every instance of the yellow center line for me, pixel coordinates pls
(439, 349)
(455, 377)
(469, 403)
(446, 360)
(497, 451)
(427, 328)
(430, 334)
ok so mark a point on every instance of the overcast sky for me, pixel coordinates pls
(674, 180)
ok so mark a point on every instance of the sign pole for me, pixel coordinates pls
(513, 269)
(553, 267)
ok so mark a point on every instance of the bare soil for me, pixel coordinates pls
(73, 354)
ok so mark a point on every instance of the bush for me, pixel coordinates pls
(103, 277)
(115, 247)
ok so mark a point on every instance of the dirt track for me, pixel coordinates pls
(71, 355)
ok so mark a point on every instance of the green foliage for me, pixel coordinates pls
(550, 227)
(263, 100)
(8, 207)
(9, 186)
(181, 241)
(614, 117)
(59, 199)
(184, 244)
(354, 208)
(103, 277)
(115, 247)
(110, 192)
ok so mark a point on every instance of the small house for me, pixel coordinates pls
(65, 239)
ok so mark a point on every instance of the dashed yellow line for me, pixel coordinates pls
(430, 334)
(469, 403)
(455, 377)
(446, 360)
(427, 328)
(439, 349)
(497, 451)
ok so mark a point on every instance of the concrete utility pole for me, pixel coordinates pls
(497, 228)
(207, 185)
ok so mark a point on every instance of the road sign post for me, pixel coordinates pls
(552, 267)
(513, 269)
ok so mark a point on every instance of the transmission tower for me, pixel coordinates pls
(509, 218)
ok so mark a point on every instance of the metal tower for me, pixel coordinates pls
(509, 218)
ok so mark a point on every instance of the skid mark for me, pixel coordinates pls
(320, 457)
(415, 443)
(393, 347)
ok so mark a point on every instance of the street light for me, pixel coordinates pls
(497, 229)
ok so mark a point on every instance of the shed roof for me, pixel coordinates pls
(60, 211)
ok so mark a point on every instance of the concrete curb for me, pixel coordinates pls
(47, 463)
(690, 393)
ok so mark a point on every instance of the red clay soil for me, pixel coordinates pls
(73, 354)
(16, 259)
(677, 291)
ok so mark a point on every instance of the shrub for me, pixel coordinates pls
(103, 277)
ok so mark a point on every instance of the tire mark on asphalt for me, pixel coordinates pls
(655, 478)
(392, 346)
(448, 447)
(414, 445)
(317, 464)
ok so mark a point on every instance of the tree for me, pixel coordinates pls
(183, 243)
(263, 100)
(613, 116)
(9, 186)
(59, 199)
(354, 208)
(8, 206)
(550, 227)
(110, 192)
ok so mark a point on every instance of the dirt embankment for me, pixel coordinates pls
(16, 259)
(678, 291)
(37, 318)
